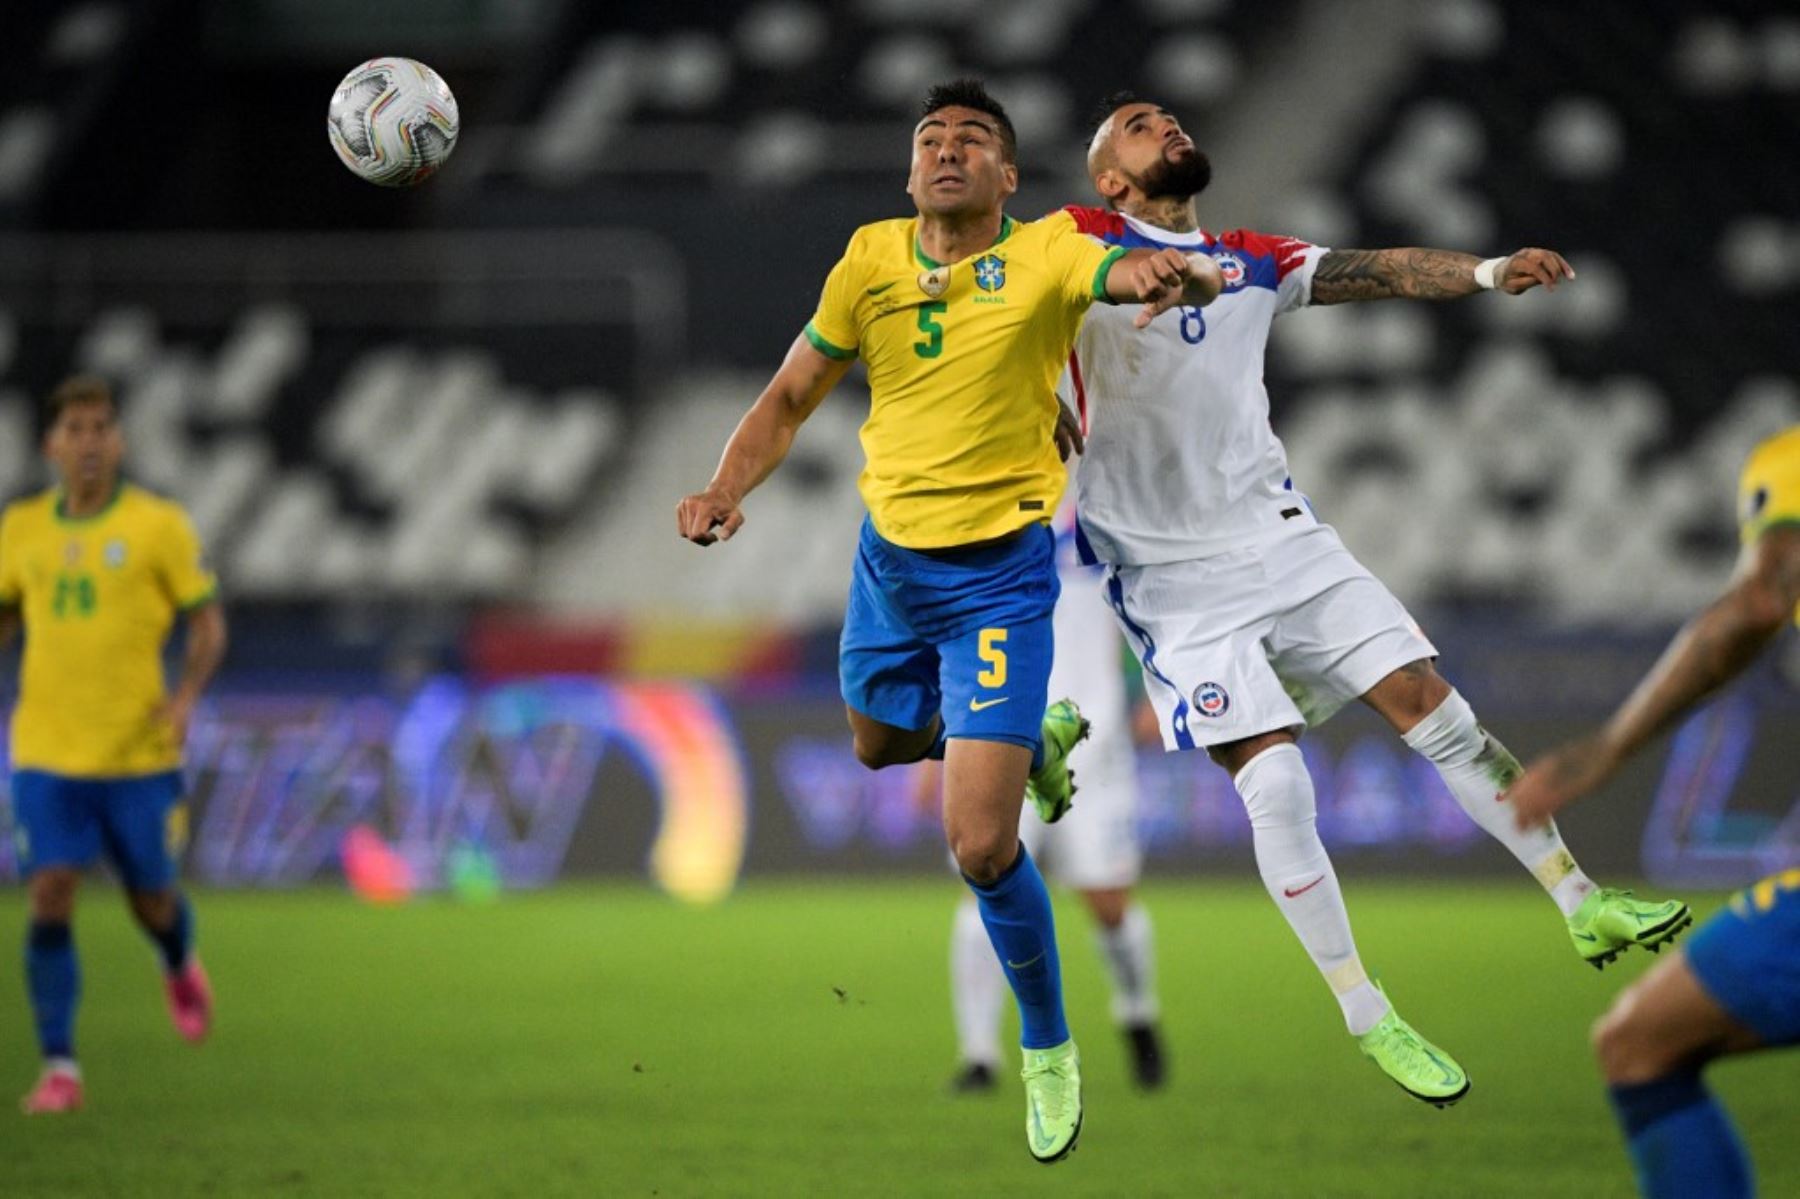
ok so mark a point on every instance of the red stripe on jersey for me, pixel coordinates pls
(1080, 390)
(1288, 252)
(1096, 222)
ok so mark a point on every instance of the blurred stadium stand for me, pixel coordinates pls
(434, 438)
(492, 389)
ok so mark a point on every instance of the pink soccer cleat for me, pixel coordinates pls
(58, 1090)
(190, 1000)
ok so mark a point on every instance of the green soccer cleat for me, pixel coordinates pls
(1422, 1069)
(1051, 788)
(1052, 1101)
(1610, 921)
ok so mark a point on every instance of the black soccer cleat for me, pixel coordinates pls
(1144, 1045)
(974, 1078)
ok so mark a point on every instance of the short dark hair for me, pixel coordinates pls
(1111, 104)
(972, 93)
(75, 391)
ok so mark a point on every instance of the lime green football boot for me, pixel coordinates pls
(1052, 786)
(1052, 1101)
(1422, 1069)
(1610, 921)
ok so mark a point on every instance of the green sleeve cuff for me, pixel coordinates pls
(1751, 534)
(1113, 255)
(204, 598)
(825, 347)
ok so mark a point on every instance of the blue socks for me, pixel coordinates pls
(53, 978)
(175, 943)
(1682, 1143)
(1016, 910)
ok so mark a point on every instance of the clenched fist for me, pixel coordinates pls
(1171, 278)
(707, 517)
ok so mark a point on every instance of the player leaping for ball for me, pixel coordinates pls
(96, 571)
(1736, 987)
(963, 318)
(1094, 850)
(1251, 618)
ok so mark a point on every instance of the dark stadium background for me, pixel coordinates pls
(642, 205)
(434, 438)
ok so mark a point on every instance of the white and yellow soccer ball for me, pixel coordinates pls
(393, 121)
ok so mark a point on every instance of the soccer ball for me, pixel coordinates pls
(393, 121)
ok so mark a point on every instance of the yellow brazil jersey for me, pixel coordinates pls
(963, 360)
(1769, 492)
(98, 596)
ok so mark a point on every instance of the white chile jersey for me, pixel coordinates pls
(1181, 462)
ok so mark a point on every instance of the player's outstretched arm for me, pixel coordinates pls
(1709, 652)
(1163, 279)
(206, 639)
(760, 442)
(1412, 273)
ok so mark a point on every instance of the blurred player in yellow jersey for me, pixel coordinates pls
(963, 318)
(1736, 987)
(96, 570)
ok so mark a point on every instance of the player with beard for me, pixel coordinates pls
(963, 318)
(1250, 617)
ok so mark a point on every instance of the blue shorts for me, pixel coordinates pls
(1748, 958)
(140, 823)
(965, 632)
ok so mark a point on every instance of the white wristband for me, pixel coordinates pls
(1487, 270)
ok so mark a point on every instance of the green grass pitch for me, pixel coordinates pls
(795, 1041)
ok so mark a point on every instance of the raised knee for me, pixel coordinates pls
(983, 855)
(1108, 906)
(155, 908)
(1411, 693)
(1276, 788)
(1604, 1039)
(1624, 1055)
(876, 750)
(870, 752)
(53, 895)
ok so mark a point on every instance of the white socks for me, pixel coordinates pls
(1130, 954)
(1476, 768)
(978, 990)
(1278, 793)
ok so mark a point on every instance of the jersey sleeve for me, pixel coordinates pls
(833, 329)
(182, 566)
(1078, 260)
(1292, 260)
(12, 587)
(1769, 492)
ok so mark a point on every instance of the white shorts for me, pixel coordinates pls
(1095, 845)
(1279, 635)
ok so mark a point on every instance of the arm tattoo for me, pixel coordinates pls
(1409, 273)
